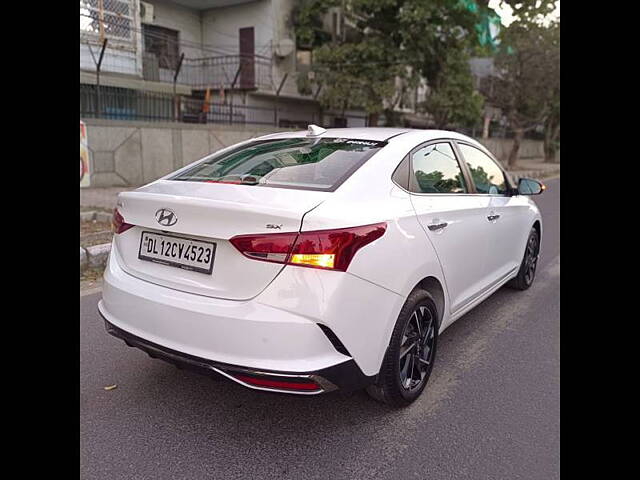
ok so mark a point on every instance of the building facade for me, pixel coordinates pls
(198, 61)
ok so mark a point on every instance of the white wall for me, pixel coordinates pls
(186, 21)
(220, 26)
(118, 61)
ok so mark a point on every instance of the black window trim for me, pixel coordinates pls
(510, 188)
(469, 186)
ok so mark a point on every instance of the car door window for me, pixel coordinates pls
(487, 176)
(435, 169)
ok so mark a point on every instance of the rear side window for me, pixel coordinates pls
(303, 163)
(401, 174)
(487, 176)
(435, 169)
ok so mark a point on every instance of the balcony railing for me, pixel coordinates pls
(126, 104)
(244, 72)
(237, 71)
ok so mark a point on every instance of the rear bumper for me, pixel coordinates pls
(232, 332)
(344, 376)
(306, 322)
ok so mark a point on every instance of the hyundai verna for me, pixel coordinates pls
(305, 262)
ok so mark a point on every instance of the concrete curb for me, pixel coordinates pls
(84, 259)
(87, 216)
(95, 256)
(95, 215)
(103, 217)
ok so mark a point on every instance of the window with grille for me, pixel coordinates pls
(112, 19)
(163, 43)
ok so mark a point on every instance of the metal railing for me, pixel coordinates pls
(239, 71)
(127, 104)
(228, 71)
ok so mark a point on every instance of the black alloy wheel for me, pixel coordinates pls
(409, 359)
(527, 273)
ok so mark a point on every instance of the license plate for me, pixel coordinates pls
(179, 252)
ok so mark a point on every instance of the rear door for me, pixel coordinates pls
(452, 218)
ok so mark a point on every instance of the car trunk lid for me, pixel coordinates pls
(211, 213)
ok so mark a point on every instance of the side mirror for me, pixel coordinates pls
(529, 186)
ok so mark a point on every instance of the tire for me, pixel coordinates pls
(400, 382)
(527, 273)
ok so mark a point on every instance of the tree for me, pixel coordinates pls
(523, 88)
(552, 129)
(355, 72)
(527, 86)
(452, 98)
(437, 34)
(552, 121)
(356, 75)
(531, 11)
(396, 42)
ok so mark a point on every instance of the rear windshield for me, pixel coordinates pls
(303, 163)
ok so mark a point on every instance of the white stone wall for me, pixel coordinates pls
(220, 26)
(184, 20)
(501, 147)
(134, 153)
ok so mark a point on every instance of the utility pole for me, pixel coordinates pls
(275, 107)
(176, 107)
(233, 84)
(98, 64)
(320, 110)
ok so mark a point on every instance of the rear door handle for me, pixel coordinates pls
(437, 226)
(491, 218)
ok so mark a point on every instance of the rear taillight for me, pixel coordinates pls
(273, 247)
(119, 225)
(327, 249)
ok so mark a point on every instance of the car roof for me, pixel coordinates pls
(406, 136)
(363, 133)
(375, 134)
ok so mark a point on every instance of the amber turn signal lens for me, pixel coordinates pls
(324, 260)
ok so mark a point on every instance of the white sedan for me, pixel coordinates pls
(305, 262)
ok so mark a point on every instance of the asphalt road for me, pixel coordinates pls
(491, 409)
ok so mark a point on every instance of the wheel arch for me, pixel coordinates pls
(432, 285)
(538, 226)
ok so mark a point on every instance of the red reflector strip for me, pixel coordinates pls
(281, 384)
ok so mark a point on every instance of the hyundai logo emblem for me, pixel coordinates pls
(166, 217)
